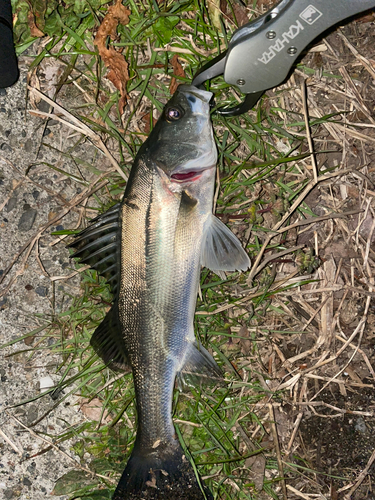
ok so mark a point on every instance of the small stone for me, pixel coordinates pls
(46, 132)
(12, 203)
(3, 303)
(7, 133)
(31, 468)
(59, 228)
(42, 291)
(27, 220)
(26, 481)
(29, 287)
(360, 425)
(35, 194)
(5, 146)
(3, 92)
(29, 340)
(3, 110)
(29, 144)
(45, 383)
(12, 493)
(32, 414)
(44, 106)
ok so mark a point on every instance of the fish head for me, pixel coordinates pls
(182, 145)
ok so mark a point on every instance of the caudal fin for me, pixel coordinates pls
(161, 473)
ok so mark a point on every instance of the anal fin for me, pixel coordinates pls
(108, 343)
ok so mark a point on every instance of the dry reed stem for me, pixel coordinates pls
(278, 452)
(361, 477)
(10, 442)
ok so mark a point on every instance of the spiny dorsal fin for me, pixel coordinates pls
(99, 246)
(222, 250)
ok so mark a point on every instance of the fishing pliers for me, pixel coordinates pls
(262, 53)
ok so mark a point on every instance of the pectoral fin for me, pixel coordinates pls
(222, 250)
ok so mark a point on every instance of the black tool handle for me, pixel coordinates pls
(8, 61)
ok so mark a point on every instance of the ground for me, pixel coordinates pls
(314, 338)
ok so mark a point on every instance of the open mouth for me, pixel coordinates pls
(186, 176)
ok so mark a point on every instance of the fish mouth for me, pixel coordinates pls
(202, 95)
(190, 176)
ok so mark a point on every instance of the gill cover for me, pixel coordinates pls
(182, 139)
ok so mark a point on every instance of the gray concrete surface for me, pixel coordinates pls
(27, 471)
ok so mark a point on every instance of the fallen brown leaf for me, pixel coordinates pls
(93, 410)
(257, 464)
(241, 14)
(178, 70)
(369, 17)
(239, 11)
(118, 67)
(34, 30)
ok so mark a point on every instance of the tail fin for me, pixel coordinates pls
(161, 473)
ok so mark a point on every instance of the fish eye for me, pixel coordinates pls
(173, 114)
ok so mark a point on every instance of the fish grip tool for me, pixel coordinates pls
(262, 53)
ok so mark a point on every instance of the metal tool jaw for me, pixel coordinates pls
(262, 53)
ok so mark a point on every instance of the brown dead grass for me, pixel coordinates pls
(325, 421)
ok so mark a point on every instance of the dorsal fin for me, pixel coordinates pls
(99, 246)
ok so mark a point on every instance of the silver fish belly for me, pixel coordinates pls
(164, 232)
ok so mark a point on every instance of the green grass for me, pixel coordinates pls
(254, 175)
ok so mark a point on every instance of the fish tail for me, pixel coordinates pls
(161, 473)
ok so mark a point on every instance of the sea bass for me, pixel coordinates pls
(151, 248)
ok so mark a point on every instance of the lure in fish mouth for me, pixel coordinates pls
(150, 248)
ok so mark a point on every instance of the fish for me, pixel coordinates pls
(150, 248)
